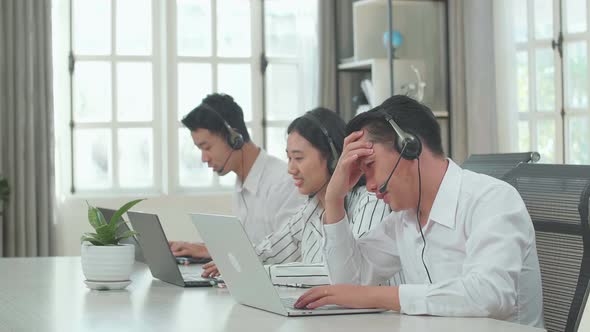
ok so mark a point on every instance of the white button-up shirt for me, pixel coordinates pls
(480, 252)
(300, 239)
(267, 198)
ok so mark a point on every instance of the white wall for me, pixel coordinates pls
(71, 220)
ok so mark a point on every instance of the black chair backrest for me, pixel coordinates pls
(498, 164)
(557, 198)
(583, 323)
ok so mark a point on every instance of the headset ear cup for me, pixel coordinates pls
(413, 148)
(235, 139)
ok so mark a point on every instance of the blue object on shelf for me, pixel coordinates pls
(396, 39)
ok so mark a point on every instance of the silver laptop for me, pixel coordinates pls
(244, 274)
(158, 256)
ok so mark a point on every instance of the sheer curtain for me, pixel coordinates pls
(505, 69)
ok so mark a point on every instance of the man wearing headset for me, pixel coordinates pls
(465, 241)
(264, 196)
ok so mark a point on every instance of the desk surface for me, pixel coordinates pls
(48, 294)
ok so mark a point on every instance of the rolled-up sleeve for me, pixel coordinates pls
(369, 260)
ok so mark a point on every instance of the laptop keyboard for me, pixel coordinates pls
(289, 302)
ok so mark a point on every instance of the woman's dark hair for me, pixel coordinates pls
(308, 126)
(309, 129)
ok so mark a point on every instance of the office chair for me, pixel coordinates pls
(557, 198)
(583, 323)
(498, 164)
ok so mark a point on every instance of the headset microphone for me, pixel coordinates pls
(383, 187)
(220, 170)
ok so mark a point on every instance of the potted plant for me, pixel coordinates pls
(106, 263)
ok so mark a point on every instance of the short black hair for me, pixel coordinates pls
(409, 114)
(213, 110)
(309, 130)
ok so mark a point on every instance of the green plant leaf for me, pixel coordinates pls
(106, 234)
(125, 235)
(95, 217)
(124, 209)
(92, 238)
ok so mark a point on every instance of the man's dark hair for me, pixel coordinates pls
(309, 130)
(409, 114)
(213, 110)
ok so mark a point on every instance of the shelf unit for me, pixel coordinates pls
(423, 25)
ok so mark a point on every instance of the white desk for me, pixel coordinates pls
(48, 294)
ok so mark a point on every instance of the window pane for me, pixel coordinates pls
(91, 27)
(519, 19)
(276, 142)
(280, 31)
(193, 27)
(546, 140)
(576, 75)
(92, 158)
(233, 28)
(282, 92)
(543, 19)
(236, 81)
(136, 157)
(192, 172)
(545, 80)
(575, 11)
(134, 91)
(522, 63)
(194, 84)
(579, 140)
(134, 27)
(92, 91)
(524, 136)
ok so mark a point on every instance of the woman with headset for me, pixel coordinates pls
(314, 144)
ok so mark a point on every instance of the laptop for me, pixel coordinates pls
(244, 274)
(108, 214)
(159, 258)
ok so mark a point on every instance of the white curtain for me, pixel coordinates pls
(506, 88)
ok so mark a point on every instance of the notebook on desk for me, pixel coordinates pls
(244, 274)
(158, 256)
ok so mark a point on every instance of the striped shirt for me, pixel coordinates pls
(300, 239)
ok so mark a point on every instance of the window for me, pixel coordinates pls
(290, 40)
(552, 85)
(138, 66)
(114, 100)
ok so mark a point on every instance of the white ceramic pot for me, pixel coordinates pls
(107, 263)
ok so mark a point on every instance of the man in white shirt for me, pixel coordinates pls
(265, 196)
(469, 251)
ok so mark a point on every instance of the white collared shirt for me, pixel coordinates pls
(267, 198)
(480, 252)
(300, 239)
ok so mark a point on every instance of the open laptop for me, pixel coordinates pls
(244, 274)
(158, 256)
(108, 214)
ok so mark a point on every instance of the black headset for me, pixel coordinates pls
(408, 145)
(335, 156)
(234, 139)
